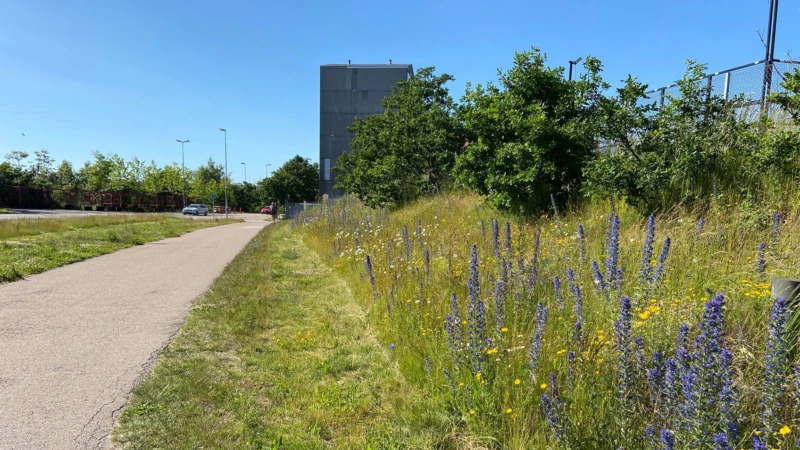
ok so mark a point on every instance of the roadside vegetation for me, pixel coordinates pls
(593, 328)
(36, 245)
(278, 355)
(297, 180)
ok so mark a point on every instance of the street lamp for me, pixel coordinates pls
(268, 170)
(573, 63)
(245, 172)
(183, 170)
(226, 170)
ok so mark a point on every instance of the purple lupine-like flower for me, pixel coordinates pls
(536, 240)
(581, 245)
(672, 388)
(540, 322)
(577, 308)
(427, 258)
(650, 434)
(571, 366)
(500, 306)
(419, 232)
(577, 334)
(532, 278)
(662, 259)
(553, 407)
(619, 279)
(797, 387)
(473, 273)
(449, 378)
(455, 335)
(775, 367)
(655, 376)
(639, 363)
(571, 281)
(407, 242)
(598, 277)
(758, 444)
(357, 243)
(689, 404)
(775, 234)
(368, 265)
(389, 309)
(710, 342)
(622, 332)
(668, 439)
(647, 251)
(721, 442)
(701, 223)
(496, 237)
(476, 327)
(559, 297)
(508, 238)
(729, 397)
(613, 254)
(761, 263)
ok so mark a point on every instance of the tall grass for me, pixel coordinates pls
(588, 373)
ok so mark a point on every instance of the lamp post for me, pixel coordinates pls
(224, 131)
(183, 171)
(268, 170)
(245, 172)
(573, 63)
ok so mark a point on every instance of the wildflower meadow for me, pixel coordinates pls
(595, 328)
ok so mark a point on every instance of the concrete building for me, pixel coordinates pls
(347, 92)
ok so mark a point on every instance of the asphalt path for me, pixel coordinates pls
(75, 340)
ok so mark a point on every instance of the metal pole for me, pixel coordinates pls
(768, 56)
(727, 88)
(570, 71)
(772, 46)
(225, 132)
(245, 172)
(183, 170)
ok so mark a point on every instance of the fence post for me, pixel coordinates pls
(727, 88)
(708, 88)
(661, 101)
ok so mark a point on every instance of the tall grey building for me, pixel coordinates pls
(347, 92)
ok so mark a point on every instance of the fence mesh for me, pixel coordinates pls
(293, 209)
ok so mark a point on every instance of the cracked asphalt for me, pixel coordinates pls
(75, 340)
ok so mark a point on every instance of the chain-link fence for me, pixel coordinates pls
(293, 209)
(749, 81)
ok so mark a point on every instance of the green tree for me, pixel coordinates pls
(42, 169)
(789, 98)
(408, 150)
(531, 135)
(297, 180)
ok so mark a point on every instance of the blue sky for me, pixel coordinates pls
(130, 77)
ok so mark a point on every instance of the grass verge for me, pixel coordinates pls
(4, 211)
(33, 246)
(276, 355)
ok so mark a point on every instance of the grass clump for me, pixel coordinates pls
(33, 246)
(277, 354)
(630, 333)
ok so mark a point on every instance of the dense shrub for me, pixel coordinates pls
(530, 135)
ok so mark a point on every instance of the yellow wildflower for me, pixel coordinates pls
(472, 411)
(517, 382)
(491, 351)
(508, 411)
(785, 430)
(561, 352)
(543, 385)
(504, 330)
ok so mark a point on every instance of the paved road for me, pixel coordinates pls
(75, 340)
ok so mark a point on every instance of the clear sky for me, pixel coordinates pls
(131, 76)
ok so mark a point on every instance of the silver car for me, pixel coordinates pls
(198, 209)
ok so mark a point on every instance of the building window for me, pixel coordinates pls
(326, 174)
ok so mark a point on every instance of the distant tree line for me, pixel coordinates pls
(533, 133)
(296, 180)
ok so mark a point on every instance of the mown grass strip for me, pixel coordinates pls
(31, 227)
(75, 240)
(277, 355)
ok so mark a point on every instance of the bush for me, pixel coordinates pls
(530, 136)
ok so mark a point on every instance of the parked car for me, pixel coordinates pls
(266, 210)
(198, 209)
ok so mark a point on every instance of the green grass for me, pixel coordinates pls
(278, 354)
(4, 211)
(33, 246)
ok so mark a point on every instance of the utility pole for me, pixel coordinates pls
(183, 170)
(245, 172)
(226, 170)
